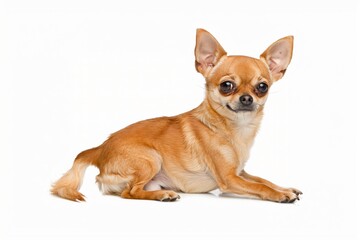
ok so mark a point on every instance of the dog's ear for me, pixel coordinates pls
(278, 56)
(208, 51)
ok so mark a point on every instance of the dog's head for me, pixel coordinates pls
(239, 84)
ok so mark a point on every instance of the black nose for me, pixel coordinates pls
(246, 100)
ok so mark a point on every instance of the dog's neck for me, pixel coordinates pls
(239, 131)
(243, 123)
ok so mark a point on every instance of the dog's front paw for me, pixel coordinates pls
(290, 198)
(296, 191)
(285, 197)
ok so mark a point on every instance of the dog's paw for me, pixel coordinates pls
(289, 197)
(169, 196)
(285, 197)
(296, 191)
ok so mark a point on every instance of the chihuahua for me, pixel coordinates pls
(197, 151)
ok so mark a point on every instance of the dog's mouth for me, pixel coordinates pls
(241, 108)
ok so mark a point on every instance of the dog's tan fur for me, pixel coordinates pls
(197, 151)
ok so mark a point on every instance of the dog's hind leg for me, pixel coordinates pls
(142, 176)
(137, 192)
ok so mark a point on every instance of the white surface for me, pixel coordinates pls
(72, 72)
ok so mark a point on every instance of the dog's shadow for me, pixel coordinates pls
(236, 196)
(218, 194)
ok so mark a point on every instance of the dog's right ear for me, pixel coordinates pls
(208, 51)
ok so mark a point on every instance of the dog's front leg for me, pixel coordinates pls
(224, 162)
(242, 186)
(268, 183)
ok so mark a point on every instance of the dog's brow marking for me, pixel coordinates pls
(228, 70)
(257, 64)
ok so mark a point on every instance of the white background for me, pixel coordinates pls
(72, 72)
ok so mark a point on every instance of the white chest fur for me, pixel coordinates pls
(243, 139)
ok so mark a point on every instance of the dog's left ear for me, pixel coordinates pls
(278, 56)
(208, 51)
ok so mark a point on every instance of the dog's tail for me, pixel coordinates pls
(68, 185)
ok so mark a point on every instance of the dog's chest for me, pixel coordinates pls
(242, 141)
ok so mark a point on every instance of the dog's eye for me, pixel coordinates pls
(227, 87)
(262, 87)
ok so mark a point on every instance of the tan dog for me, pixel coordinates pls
(197, 151)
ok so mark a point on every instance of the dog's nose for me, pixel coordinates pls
(246, 100)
